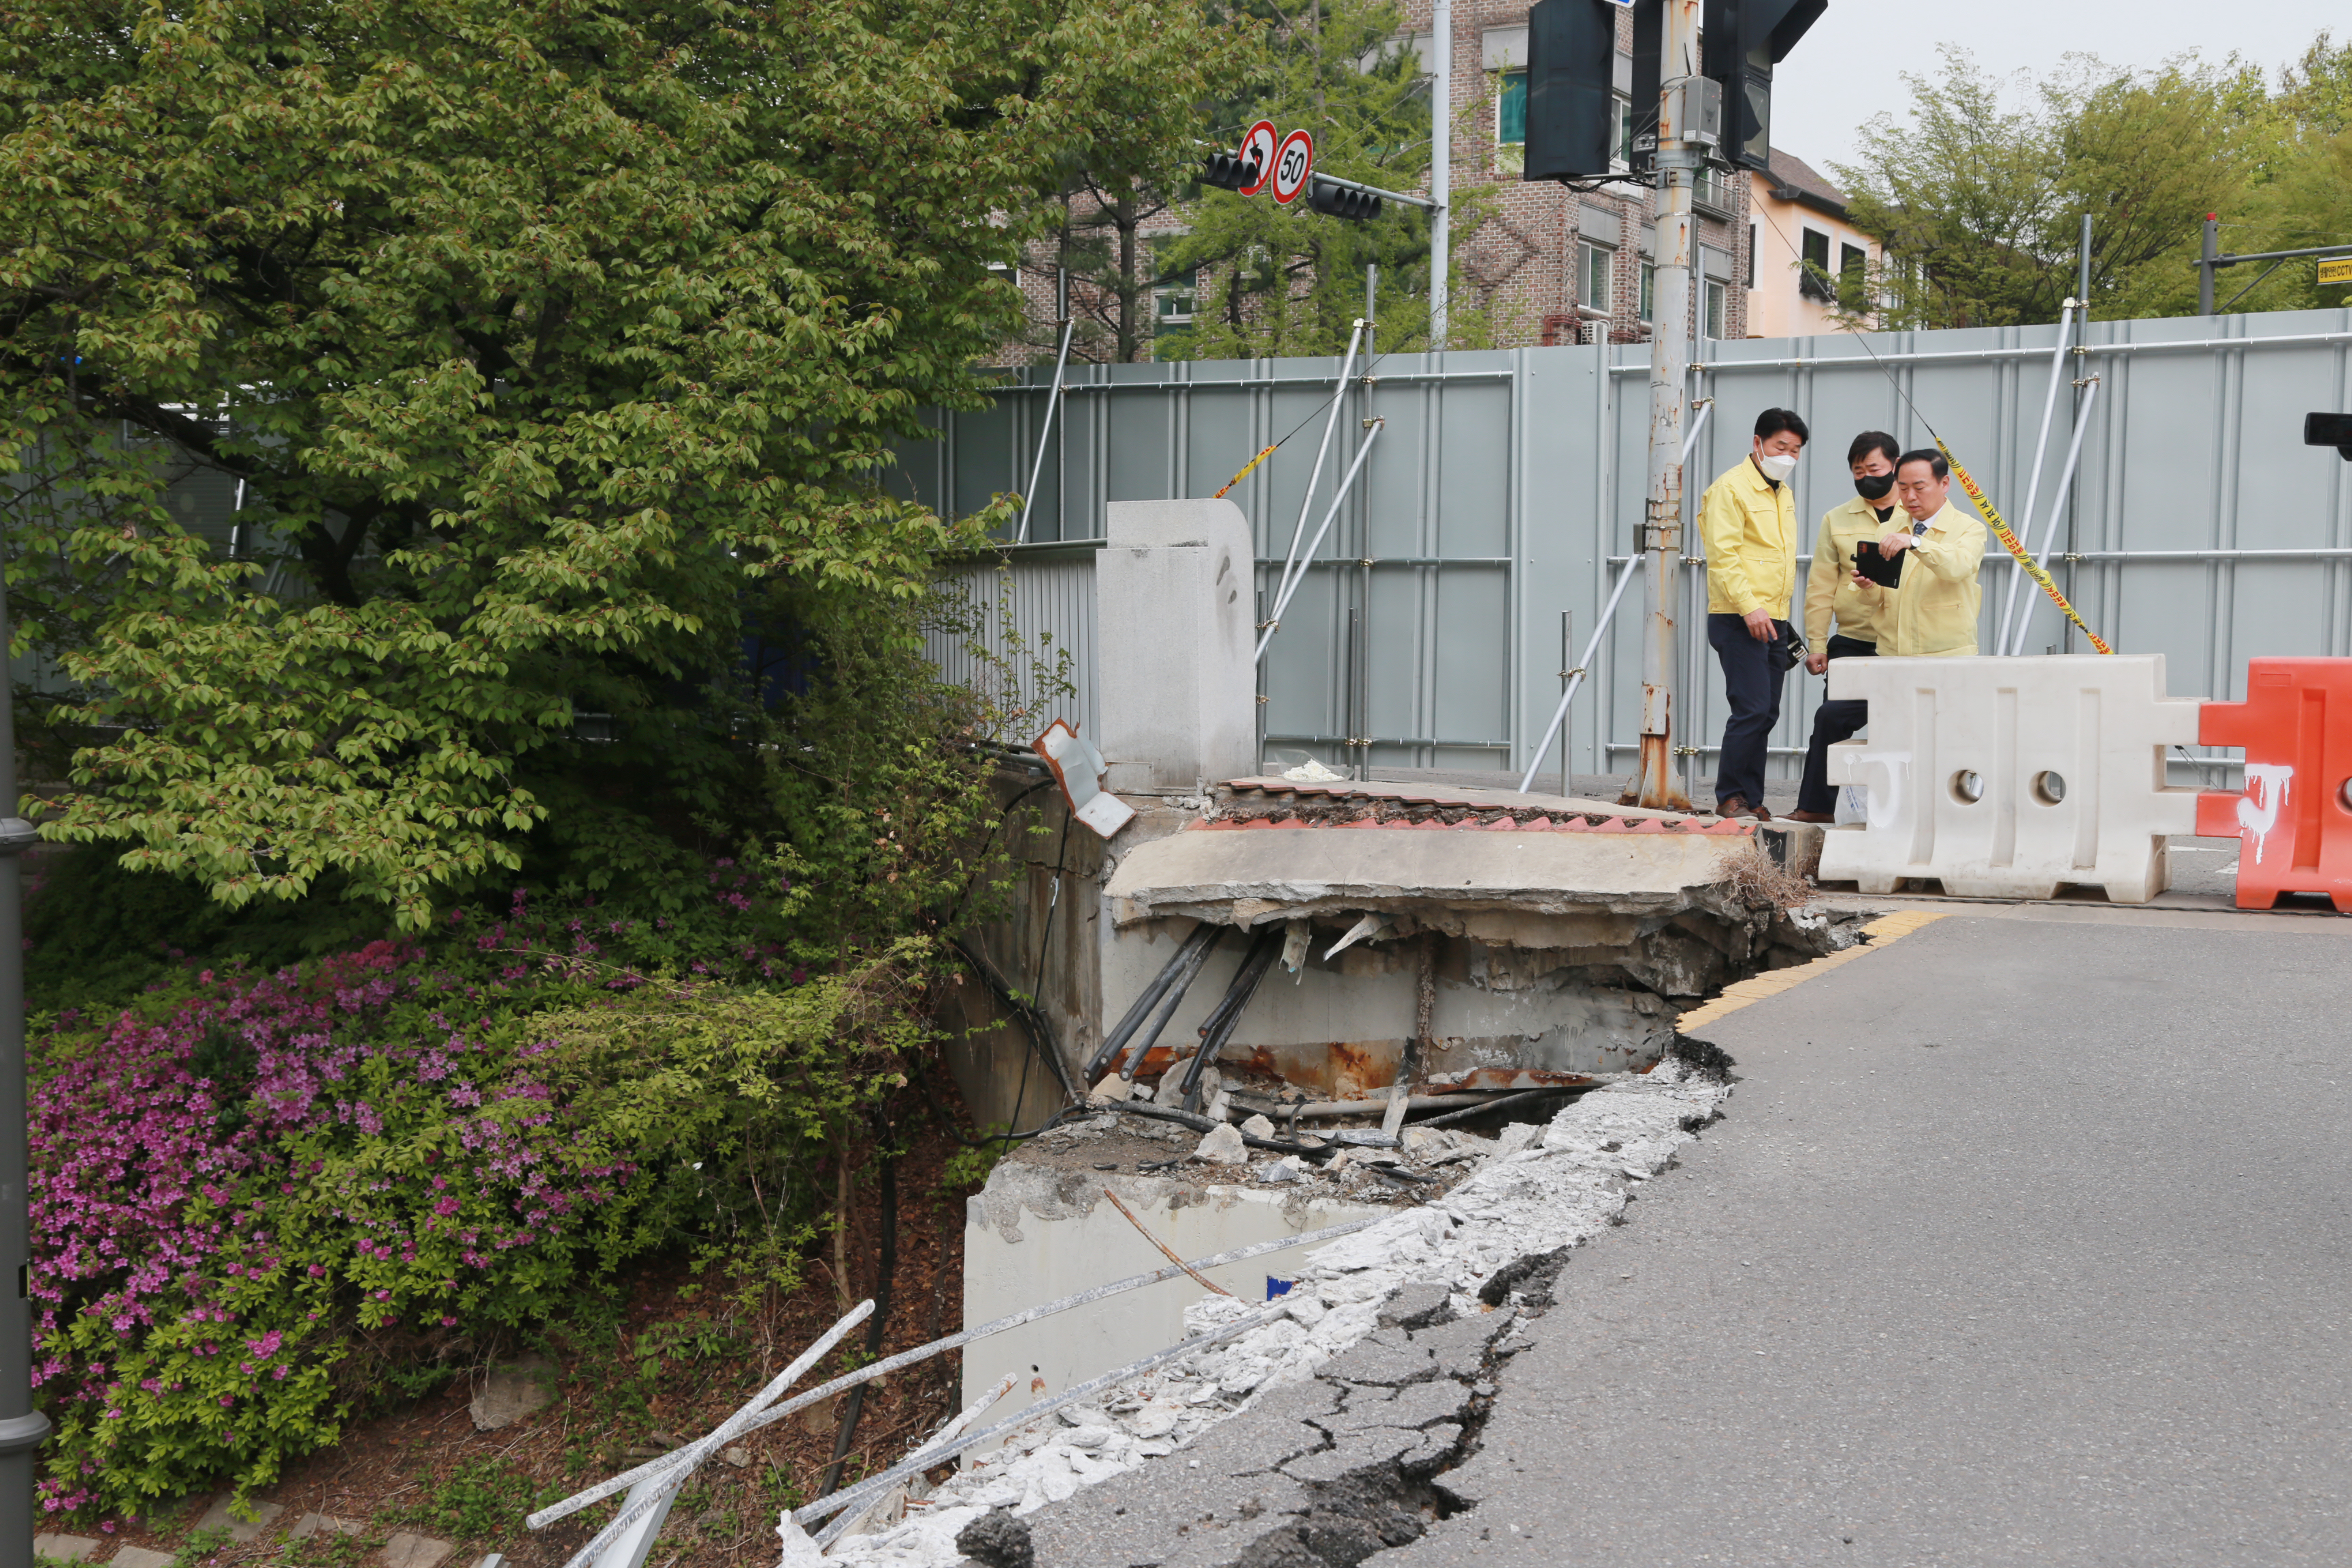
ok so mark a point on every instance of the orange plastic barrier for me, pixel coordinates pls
(2293, 820)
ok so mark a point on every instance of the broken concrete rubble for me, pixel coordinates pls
(1358, 1400)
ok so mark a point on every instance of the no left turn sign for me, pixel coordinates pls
(1257, 147)
(1292, 165)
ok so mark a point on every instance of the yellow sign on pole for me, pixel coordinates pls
(2335, 270)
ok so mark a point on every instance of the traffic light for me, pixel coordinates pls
(1340, 201)
(1739, 43)
(1649, 44)
(1228, 173)
(1571, 106)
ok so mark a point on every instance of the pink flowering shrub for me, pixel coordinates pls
(259, 1201)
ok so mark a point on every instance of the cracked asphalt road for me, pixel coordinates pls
(2024, 1243)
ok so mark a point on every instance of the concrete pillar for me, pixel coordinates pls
(1176, 687)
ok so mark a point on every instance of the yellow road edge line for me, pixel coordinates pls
(1883, 931)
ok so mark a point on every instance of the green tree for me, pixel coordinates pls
(1978, 197)
(2303, 193)
(1290, 280)
(556, 349)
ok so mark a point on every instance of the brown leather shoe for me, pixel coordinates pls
(1737, 805)
(1812, 816)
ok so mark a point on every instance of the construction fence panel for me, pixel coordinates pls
(1507, 487)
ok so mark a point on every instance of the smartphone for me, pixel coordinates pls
(1885, 571)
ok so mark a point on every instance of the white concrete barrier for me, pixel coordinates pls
(2009, 778)
(1175, 666)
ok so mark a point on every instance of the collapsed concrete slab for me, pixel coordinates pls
(1552, 888)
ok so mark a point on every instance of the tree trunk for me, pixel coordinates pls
(1130, 286)
(886, 1269)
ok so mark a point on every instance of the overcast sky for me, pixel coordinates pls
(1845, 69)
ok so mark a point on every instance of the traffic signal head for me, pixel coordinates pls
(1340, 201)
(2329, 431)
(1227, 172)
(1740, 42)
(1571, 102)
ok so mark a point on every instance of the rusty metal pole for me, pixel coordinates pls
(1662, 530)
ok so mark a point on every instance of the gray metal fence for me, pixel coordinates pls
(1429, 634)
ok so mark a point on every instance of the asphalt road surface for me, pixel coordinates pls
(2023, 1243)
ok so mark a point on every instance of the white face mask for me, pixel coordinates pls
(1776, 467)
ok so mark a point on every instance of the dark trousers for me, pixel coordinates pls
(1833, 721)
(1752, 683)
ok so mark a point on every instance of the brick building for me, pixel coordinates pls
(1549, 250)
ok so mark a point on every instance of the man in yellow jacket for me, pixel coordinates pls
(1867, 515)
(1932, 610)
(1747, 521)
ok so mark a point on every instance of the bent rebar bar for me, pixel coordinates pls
(1200, 936)
(681, 1463)
(889, 1364)
(866, 1491)
(1222, 1022)
(1150, 1036)
(844, 1523)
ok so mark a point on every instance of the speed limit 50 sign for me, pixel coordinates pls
(1292, 165)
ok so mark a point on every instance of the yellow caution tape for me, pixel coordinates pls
(2010, 542)
(1237, 478)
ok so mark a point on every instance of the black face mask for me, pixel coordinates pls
(1874, 487)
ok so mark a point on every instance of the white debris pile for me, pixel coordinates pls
(1539, 1189)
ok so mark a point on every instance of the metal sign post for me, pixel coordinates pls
(1678, 163)
(22, 1427)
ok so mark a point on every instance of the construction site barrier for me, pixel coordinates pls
(2010, 778)
(2294, 819)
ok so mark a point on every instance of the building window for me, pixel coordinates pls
(1595, 263)
(1175, 300)
(1511, 110)
(1853, 273)
(1624, 156)
(1174, 295)
(1753, 231)
(1717, 297)
(1649, 289)
(1814, 279)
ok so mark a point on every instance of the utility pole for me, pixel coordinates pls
(2205, 258)
(22, 1427)
(1441, 170)
(1677, 163)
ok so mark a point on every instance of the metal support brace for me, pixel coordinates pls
(1053, 408)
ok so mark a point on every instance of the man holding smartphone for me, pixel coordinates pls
(1847, 531)
(1749, 521)
(1932, 611)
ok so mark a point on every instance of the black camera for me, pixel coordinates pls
(2329, 431)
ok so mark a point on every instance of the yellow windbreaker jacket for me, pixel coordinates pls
(1749, 529)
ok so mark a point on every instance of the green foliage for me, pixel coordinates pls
(262, 1206)
(1979, 195)
(96, 933)
(1980, 198)
(1290, 280)
(555, 351)
(480, 1500)
(738, 1099)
